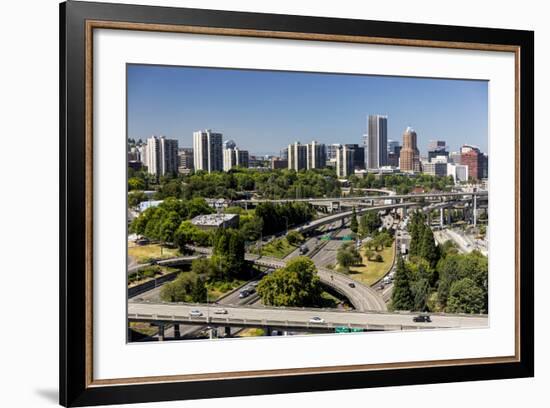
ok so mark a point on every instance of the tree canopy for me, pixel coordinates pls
(297, 284)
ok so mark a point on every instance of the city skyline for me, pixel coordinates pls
(177, 101)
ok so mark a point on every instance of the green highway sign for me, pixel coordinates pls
(325, 237)
(342, 329)
(347, 238)
(357, 329)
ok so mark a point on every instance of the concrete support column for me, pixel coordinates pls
(161, 332)
(177, 333)
(441, 217)
(475, 210)
(449, 220)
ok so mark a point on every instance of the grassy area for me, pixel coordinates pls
(370, 271)
(218, 289)
(148, 273)
(252, 332)
(145, 253)
(278, 248)
(143, 328)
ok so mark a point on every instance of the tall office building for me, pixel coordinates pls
(409, 157)
(344, 161)
(316, 157)
(458, 172)
(377, 142)
(358, 155)
(392, 146)
(161, 156)
(437, 148)
(207, 150)
(185, 160)
(472, 157)
(233, 157)
(332, 150)
(297, 156)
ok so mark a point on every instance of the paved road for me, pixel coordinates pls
(249, 316)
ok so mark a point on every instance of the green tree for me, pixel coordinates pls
(421, 291)
(428, 249)
(368, 223)
(187, 287)
(402, 297)
(294, 238)
(297, 284)
(136, 197)
(354, 225)
(135, 183)
(465, 297)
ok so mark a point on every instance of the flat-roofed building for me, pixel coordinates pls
(215, 221)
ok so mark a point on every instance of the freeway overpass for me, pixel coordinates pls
(293, 319)
(393, 197)
(180, 260)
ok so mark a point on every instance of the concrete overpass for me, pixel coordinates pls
(393, 197)
(293, 319)
(181, 260)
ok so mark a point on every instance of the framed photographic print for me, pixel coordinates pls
(256, 204)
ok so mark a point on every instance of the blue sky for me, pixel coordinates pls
(263, 111)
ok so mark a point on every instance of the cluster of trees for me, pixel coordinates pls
(438, 278)
(297, 284)
(163, 221)
(272, 184)
(187, 287)
(402, 184)
(422, 239)
(348, 255)
(369, 223)
(276, 217)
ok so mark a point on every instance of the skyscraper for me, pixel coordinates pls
(472, 157)
(344, 161)
(392, 145)
(233, 157)
(358, 155)
(207, 150)
(316, 156)
(297, 156)
(377, 141)
(161, 156)
(409, 159)
(185, 160)
(437, 148)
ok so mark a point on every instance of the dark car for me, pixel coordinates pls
(422, 319)
(351, 285)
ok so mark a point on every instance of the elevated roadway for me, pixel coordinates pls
(292, 318)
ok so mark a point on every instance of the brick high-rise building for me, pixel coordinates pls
(472, 157)
(409, 155)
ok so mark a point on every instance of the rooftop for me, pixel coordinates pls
(212, 219)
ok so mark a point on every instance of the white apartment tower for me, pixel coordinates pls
(161, 156)
(207, 150)
(344, 161)
(376, 142)
(297, 156)
(316, 155)
(233, 157)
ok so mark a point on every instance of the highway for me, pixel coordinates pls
(367, 197)
(291, 318)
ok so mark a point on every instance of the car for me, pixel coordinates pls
(220, 311)
(351, 285)
(254, 284)
(195, 313)
(243, 294)
(422, 319)
(316, 319)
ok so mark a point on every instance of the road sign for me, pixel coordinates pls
(325, 237)
(342, 329)
(357, 329)
(347, 238)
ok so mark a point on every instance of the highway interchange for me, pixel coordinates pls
(369, 303)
